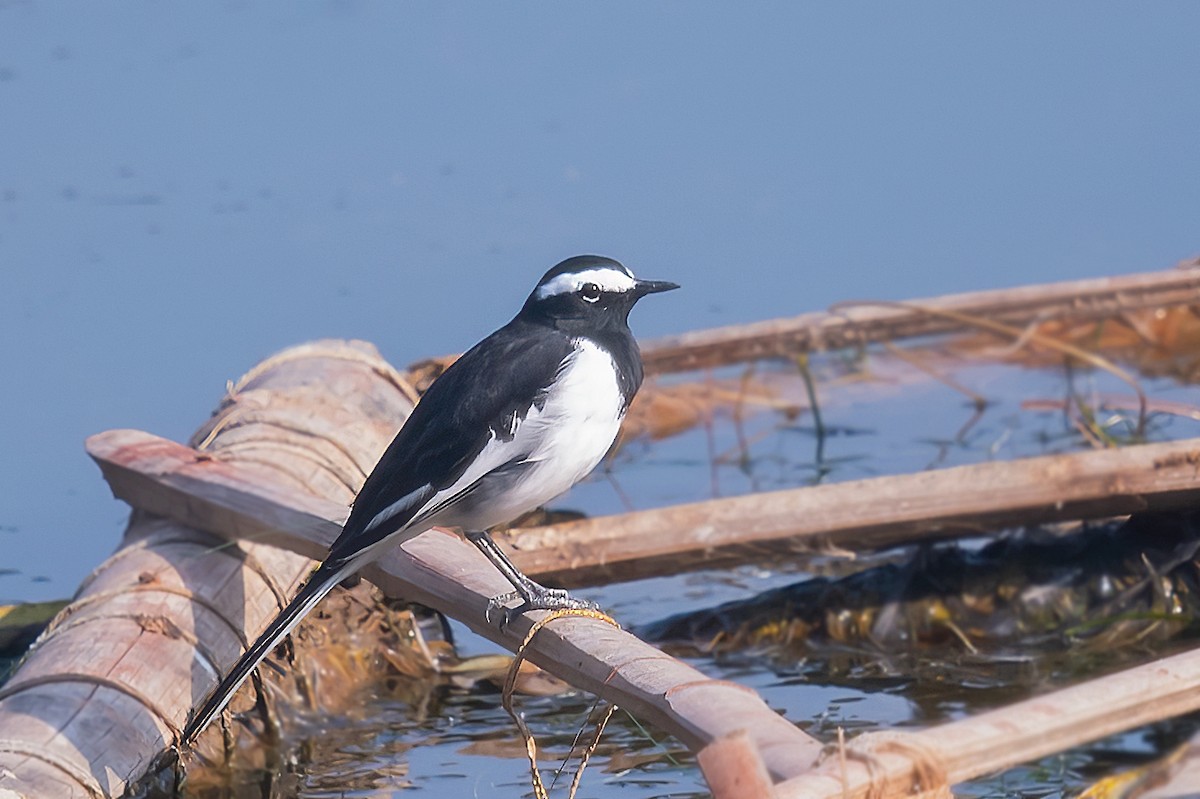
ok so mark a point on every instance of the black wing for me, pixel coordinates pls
(488, 389)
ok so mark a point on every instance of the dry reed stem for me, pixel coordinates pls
(1022, 337)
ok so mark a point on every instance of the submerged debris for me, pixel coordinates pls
(1093, 589)
(355, 649)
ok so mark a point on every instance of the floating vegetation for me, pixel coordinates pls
(1004, 603)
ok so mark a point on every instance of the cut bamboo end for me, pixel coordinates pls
(734, 769)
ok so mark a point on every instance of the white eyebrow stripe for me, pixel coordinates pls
(607, 278)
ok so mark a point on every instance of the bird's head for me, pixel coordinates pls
(589, 291)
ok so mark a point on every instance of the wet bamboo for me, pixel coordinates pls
(853, 324)
(895, 764)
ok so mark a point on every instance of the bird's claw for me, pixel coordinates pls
(539, 599)
(498, 603)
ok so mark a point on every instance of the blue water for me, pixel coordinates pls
(186, 188)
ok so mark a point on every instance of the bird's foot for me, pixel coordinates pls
(535, 597)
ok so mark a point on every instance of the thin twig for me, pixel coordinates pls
(1030, 335)
(818, 425)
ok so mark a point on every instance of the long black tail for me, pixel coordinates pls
(321, 583)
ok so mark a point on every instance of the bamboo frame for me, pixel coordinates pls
(86, 720)
(165, 477)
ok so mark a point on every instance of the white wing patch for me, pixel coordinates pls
(404, 503)
(606, 277)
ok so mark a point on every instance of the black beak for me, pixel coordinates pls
(644, 287)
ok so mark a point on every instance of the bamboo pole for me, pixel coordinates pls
(864, 323)
(867, 514)
(972, 499)
(440, 570)
(105, 689)
(888, 764)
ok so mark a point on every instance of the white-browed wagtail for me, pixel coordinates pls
(517, 420)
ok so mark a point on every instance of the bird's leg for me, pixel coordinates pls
(534, 596)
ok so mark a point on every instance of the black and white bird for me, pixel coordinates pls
(517, 420)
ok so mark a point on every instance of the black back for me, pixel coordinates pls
(498, 379)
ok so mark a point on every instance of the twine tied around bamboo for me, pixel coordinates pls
(929, 774)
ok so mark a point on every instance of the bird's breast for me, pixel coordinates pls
(582, 411)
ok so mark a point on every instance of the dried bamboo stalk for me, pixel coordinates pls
(896, 764)
(862, 514)
(854, 325)
(717, 533)
(440, 570)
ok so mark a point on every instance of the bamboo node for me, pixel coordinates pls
(96, 680)
(78, 775)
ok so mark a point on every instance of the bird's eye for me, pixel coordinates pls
(590, 292)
